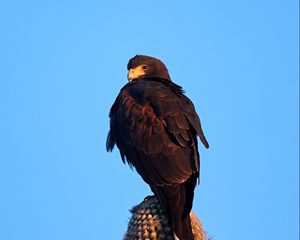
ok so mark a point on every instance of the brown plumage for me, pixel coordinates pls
(155, 126)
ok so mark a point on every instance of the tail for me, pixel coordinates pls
(177, 200)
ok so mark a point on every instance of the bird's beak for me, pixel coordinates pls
(135, 73)
(131, 75)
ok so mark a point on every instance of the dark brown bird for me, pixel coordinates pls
(155, 126)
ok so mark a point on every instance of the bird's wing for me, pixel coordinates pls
(155, 129)
(193, 119)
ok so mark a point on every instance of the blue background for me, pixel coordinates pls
(62, 64)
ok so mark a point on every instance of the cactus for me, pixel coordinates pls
(150, 222)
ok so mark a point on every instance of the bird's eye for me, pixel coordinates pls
(144, 67)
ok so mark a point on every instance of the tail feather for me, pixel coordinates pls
(177, 201)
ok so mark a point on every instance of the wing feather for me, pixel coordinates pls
(155, 126)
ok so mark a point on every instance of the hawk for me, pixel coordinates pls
(155, 126)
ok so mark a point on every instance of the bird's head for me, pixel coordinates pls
(141, 66)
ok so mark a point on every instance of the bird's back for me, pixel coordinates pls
(155, 127)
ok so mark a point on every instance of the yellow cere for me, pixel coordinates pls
(136, 72)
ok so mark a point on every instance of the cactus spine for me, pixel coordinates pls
(150, 222)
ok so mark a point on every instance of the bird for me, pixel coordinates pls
(156, 129)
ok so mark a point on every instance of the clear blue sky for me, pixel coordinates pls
(62, 64)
